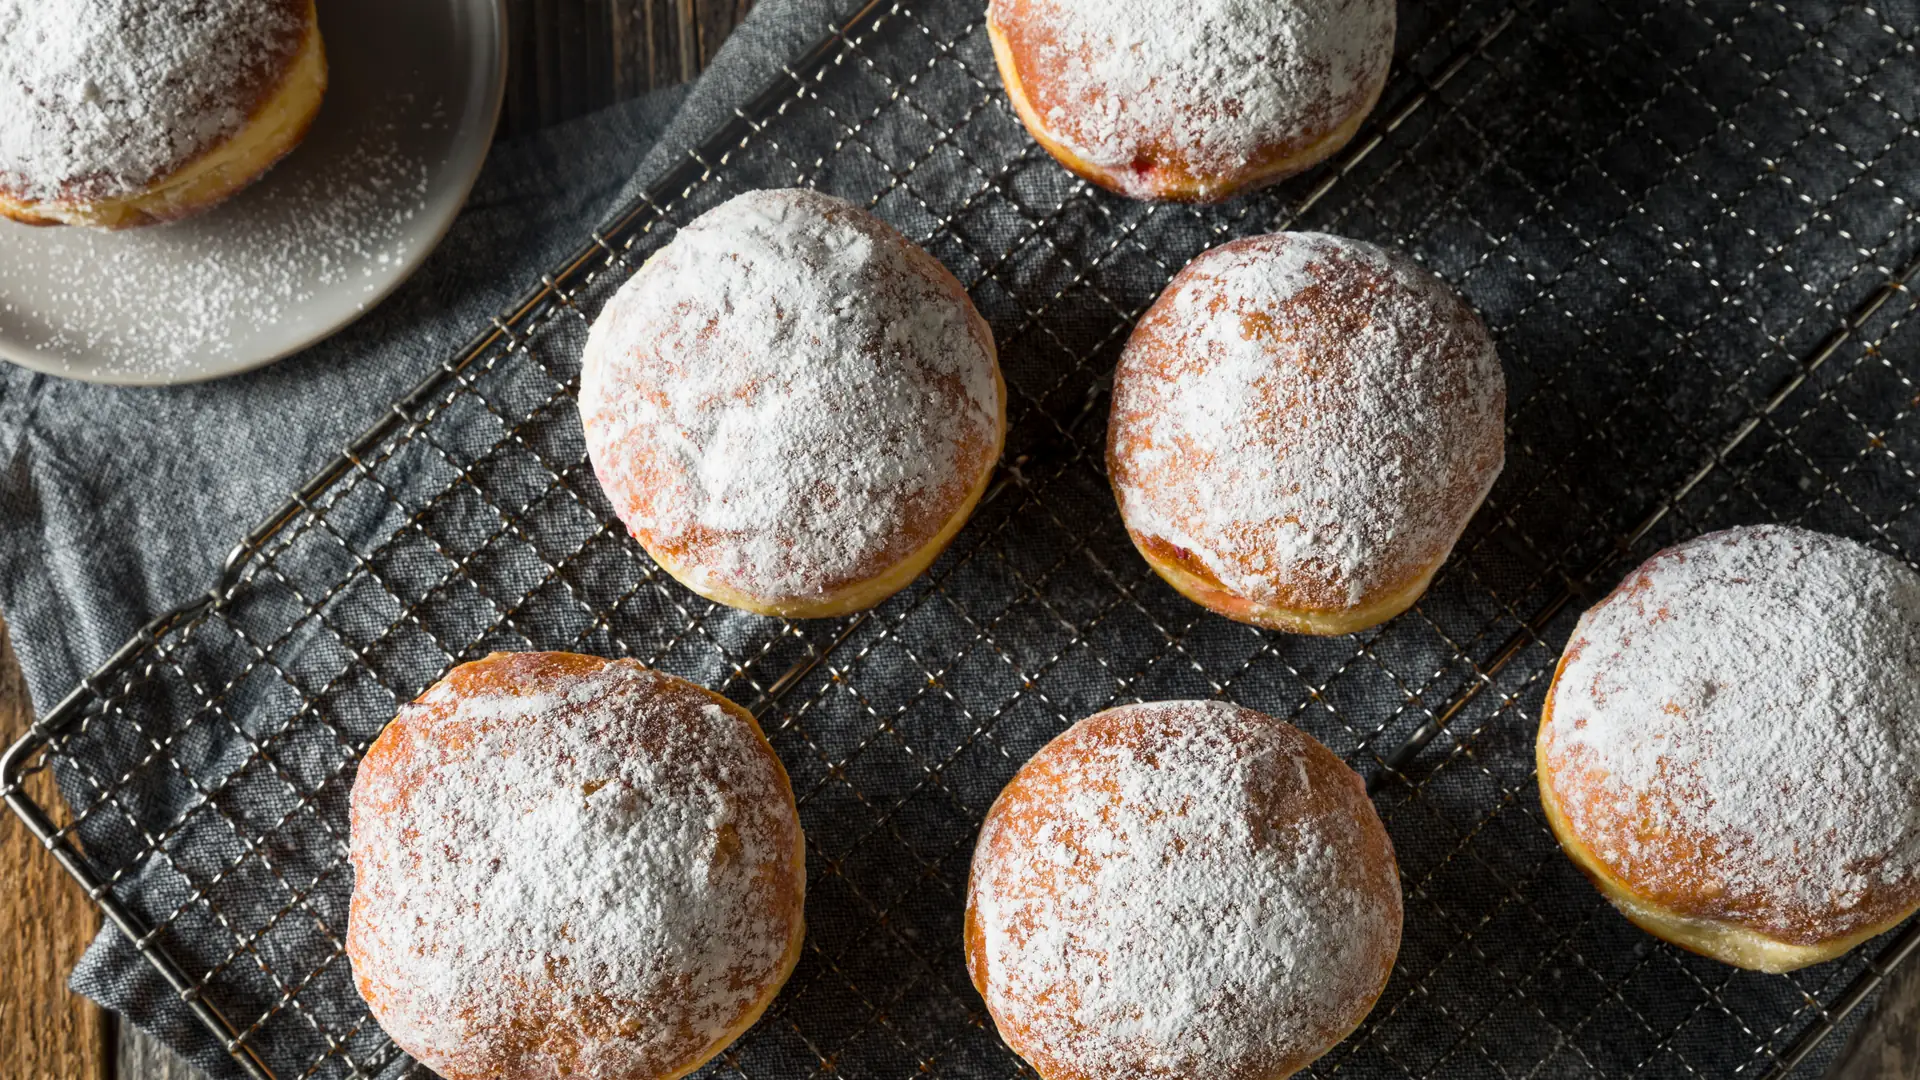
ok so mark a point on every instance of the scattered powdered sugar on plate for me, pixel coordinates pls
(98, 98)
(1181, 889)
(1739, 724)
(789, 397)
(161, 301)
(1310, 417)
(595, 869)
(334, 227)
(1213, 83)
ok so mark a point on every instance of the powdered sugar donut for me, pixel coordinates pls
(1181, 889)
(129, 112)
(1731, 746)
(569, 866)
(1191, 100)
(792, 407)
(1302, 427)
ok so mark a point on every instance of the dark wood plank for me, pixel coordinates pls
(570, 57)
(595, 41)
(45, 922)
(520, 111)
(713, 21)
(545, 69)
(686, 30)
(629, 49)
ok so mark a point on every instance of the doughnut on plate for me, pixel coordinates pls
(413, 94)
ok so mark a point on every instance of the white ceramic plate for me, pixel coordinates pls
(414, 92)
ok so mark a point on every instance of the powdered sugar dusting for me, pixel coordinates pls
(1180, 889)
(593, 872)
(322, 237)
(1751, 699)
(98, 98)
(1311, 417)
(1210, 83)
(789, 396)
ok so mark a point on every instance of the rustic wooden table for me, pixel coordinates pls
(567, 57)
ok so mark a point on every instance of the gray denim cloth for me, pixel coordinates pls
(121, 503)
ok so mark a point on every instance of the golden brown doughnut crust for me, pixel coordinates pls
(1773, 861)
(1693, 916)
(515, 1021)
(278, 90)
(1187, 137)
(1302, 426)
(792, 407)
(1136, 881)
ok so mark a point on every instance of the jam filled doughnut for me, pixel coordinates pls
(569, 866)
(1181, 889)
(1302, 426)
(130, 112)
(1731, 746)
(1191, 100)
(792, 407)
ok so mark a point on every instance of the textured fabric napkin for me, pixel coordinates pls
(117, 503)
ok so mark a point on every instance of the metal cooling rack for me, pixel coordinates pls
(1690, 228)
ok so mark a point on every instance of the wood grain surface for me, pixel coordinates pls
(569, 57)
(45, 922)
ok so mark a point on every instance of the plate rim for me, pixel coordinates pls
(493, 101)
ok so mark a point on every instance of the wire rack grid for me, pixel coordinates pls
(1690, 229)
